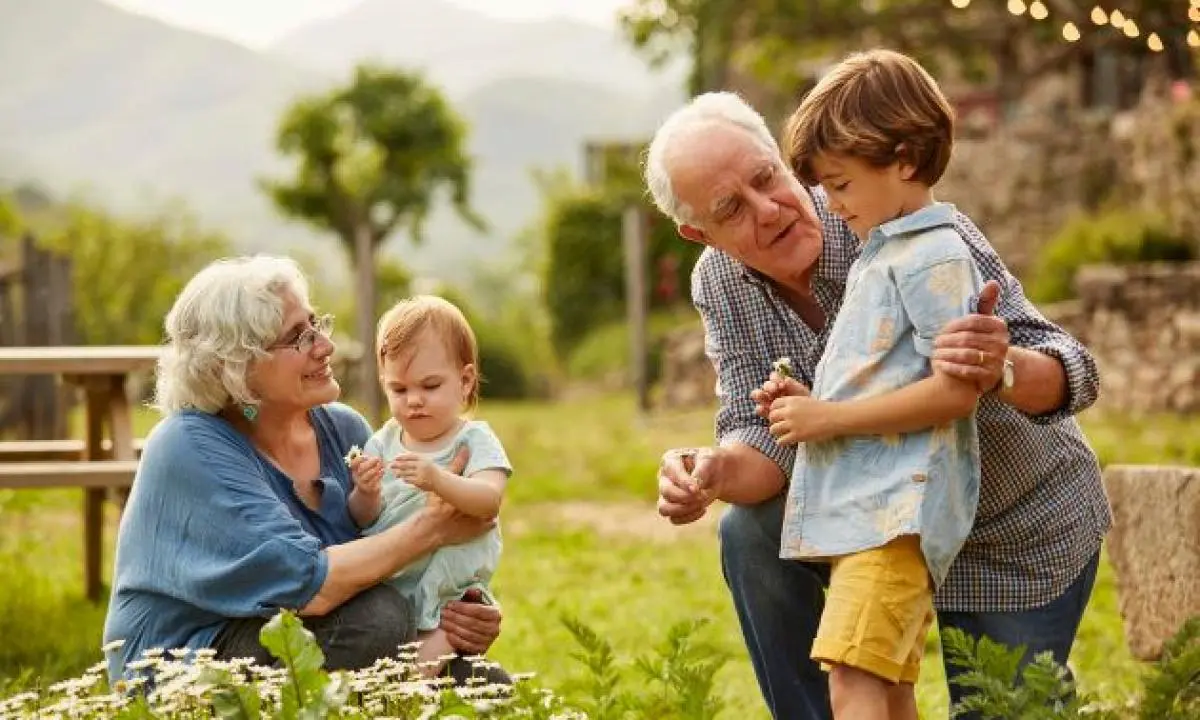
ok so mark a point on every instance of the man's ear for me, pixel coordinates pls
(693, 233)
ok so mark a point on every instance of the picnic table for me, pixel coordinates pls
(105, 461)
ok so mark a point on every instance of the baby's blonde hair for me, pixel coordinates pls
(401, 325)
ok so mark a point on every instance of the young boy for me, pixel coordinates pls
(888, 482)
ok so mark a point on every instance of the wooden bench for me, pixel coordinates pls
(91, 475)
(31, 450)
(70, 473)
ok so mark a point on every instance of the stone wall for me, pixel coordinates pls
(1055, 160)
(1158, 573)
(1142, 324)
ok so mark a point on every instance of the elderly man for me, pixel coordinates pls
(769, 285)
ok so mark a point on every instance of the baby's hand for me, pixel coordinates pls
(417, 470)
(367, 471)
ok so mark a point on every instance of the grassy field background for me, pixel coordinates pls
(582, 540)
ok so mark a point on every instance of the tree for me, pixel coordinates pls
(372, 157)
(126, 273)
(782, 43)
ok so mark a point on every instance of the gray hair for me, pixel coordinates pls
(720, 107)
(220, 323)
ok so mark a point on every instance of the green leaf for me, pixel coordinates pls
(286, 638)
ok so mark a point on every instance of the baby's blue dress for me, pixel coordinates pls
(445, 574)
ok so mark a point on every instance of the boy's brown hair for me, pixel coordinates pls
(879, 106)
(401, 325)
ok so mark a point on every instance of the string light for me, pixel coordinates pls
(1099, 16)
(1193, 38)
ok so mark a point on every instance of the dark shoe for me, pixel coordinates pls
(466, 673)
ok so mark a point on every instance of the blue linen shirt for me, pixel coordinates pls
(854, 493)
(213, 530)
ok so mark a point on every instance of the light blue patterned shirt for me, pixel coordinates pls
(854, 493)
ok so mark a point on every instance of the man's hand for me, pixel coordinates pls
(688, 482)
(800, 418)
(973, 348)
(470, 626)
(774, 388)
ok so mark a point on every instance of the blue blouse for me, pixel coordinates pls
(213, 530)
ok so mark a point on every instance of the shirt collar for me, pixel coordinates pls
(928, 217)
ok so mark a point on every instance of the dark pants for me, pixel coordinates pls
(367, 627)
(779, 606)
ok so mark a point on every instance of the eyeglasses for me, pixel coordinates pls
(304, 342)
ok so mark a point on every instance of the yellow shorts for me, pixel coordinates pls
(878, 611)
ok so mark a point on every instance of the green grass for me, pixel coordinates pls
(581, 540)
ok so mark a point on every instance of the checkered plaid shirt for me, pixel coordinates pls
(1042, 508)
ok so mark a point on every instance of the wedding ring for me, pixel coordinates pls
(982, 357)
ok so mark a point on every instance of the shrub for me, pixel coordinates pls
(1116, 236)
(1000, 687)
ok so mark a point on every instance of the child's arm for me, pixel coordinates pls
(934, 401)
(366, 498)
(932, 295)
(478, 495)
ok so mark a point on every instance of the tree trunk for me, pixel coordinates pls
(368, 374)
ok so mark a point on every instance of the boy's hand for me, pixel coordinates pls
(417, 471)
(367, 472)
(800, 418)
(777, 386)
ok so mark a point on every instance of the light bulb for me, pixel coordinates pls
(1131, 28)
(1194, 13)
(1117, 19)
(1070, 33)
(960, 4)
(1193, 38)
(1099, 16)
(1016, 7)
(1154, 42)
(1037, 10)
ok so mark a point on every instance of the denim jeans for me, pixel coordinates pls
(779, 604)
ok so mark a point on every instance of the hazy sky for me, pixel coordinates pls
(257, 22)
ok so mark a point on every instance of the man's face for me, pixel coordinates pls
(743, 201)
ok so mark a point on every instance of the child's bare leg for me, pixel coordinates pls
(857, 694)
(431, 655)
(902, 702)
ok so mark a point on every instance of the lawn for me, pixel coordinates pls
(582, 541)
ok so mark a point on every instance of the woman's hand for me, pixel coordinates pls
(470, 626)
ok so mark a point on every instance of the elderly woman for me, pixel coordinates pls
(239, 505)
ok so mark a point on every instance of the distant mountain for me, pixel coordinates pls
(463, 50)
(133, 111)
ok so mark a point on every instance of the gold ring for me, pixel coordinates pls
(982, 357)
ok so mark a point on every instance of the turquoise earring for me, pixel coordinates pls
(250, 412)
